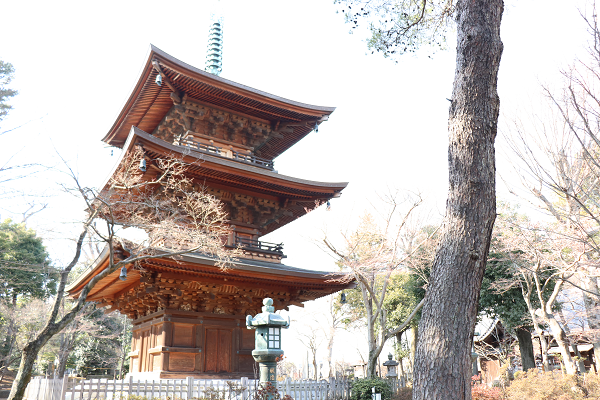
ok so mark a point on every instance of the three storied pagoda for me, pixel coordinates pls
(188, 314)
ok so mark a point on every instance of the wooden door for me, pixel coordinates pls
(217, 347)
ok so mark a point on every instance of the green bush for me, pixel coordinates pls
(362, 389)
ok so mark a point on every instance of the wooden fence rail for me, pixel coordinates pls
(107, 389)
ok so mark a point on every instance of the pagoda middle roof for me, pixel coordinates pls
(149, 103)
(230, 173)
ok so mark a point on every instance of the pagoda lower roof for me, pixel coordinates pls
(149, 103)
(193, 270)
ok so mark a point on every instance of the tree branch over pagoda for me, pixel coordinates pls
(175, 217)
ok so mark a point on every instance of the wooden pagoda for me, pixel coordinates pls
(189, 315)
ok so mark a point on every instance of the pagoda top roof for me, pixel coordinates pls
(149, 103)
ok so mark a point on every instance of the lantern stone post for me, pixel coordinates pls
(267, 344)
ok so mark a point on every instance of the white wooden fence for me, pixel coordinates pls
(189, 388)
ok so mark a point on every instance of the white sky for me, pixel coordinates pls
(76, 63)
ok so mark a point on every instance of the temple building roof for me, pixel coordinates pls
(150, 102)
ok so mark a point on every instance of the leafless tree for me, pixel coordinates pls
(312, 340)
(543, 262)
(177, 216)
(335, 320)
(372, 255)
(559, 164)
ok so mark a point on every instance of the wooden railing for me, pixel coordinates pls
(206, 148)
(236, 155)
(250, 244)
(252, 159)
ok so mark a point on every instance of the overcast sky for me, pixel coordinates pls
(76, 63)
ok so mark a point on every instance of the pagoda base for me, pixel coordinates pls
(175, 344)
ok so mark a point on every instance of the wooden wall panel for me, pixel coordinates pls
(183, 362)
(144, 346)
(157, 362)
(211, 350)
(135, 364)
(224, 358)
(246, 363)
(157, 332)
(247, 339)
(183, 335)
(218, 350)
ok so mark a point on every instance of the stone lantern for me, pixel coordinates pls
(391, 367)
(267, 345)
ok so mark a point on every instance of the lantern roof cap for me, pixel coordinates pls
(267, 318)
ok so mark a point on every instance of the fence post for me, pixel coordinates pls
(129, 385)
(190, 386)
(246, 391)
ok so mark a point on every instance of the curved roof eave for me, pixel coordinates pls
(336, 186)
(225, 82)
(274, 269)
(156, 53)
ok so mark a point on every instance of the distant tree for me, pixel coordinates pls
(542, 263)
(334, 316)
(25, 264)
(558, 160)
(25, 270)
(311, 339)
(6, 76)
(507, 304)
(374, 256)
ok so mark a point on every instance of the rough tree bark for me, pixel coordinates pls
(443, 365)
(526, 348)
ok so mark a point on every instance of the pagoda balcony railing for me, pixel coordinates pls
(206, 148)
(220, 151)
(249, 158)
(258, 245)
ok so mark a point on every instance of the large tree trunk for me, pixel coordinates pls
(28, 357)
(413, 338)
(443, 363)
(526, 348)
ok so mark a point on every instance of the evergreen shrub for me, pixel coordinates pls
(362, 389)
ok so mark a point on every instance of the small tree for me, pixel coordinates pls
(177, 217)
(373, 256)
